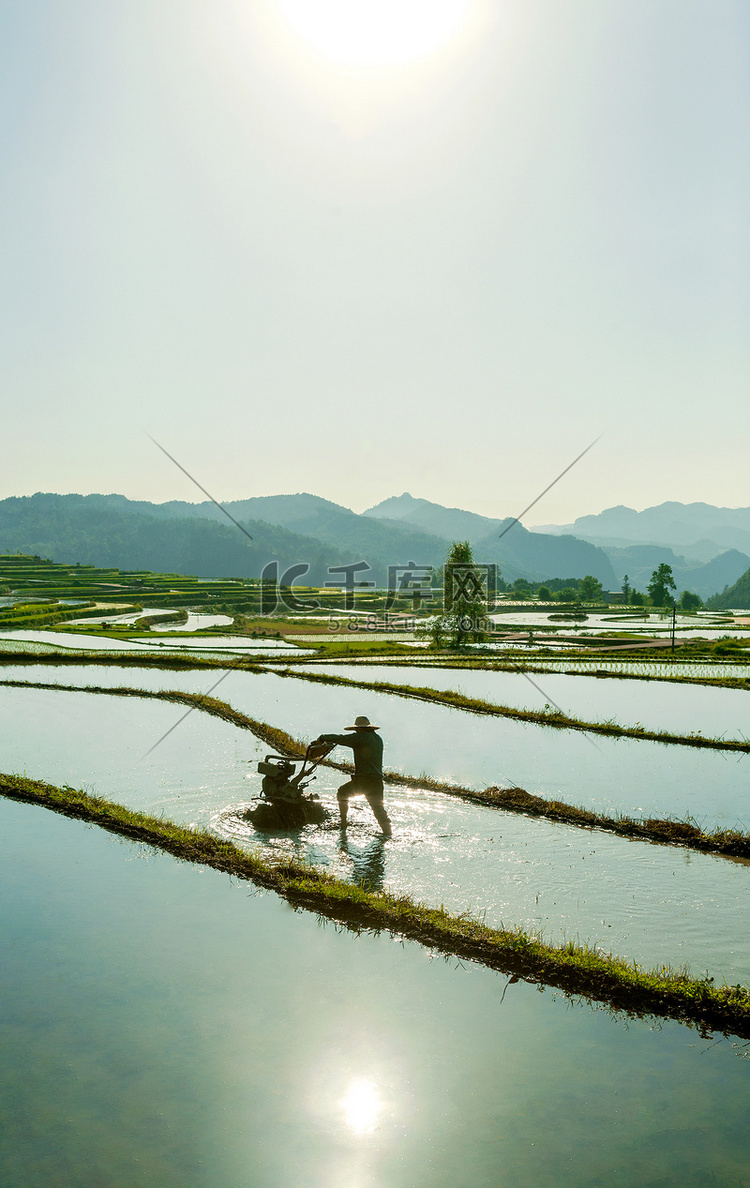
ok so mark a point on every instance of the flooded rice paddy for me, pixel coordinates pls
(655, 705)
(114, 617)
(706, 626)
(80, 642)
(654, 904)
(165, 1025)
(197, 622)
(646, 669)
(66, 641)
(221, 643)
(602, 773)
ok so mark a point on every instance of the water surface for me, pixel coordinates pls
(652, 903)
(656, 705)
(165, 1025)
(607, 774)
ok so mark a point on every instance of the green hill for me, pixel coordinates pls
(736, 597)
(196, 538)
(98, 531)
(533, 555)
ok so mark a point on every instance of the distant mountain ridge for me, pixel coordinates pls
(639, 562)
(700, 528)
(384, 540)
(451, 523)
(533, 555)
(196, 538)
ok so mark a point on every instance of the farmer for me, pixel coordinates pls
(368, 770)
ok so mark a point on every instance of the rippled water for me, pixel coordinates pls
(652, 903)
(165, 1025)
(607, 774)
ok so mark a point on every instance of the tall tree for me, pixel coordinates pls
(590, 590)
(662, 582)
(626, 590)
(689, 602)
(464, 608)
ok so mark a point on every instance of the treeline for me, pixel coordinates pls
(660, 592)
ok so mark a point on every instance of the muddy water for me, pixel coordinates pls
(656, 705)
(606, 774)
(163, 1026)
(654, 904)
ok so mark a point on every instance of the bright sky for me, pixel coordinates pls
(361, 247)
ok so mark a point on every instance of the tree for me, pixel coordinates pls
(464, 610)
(626, 588)
(662, 581)
(544, 594)
(690, 602)
(636, 598)
(590, 590)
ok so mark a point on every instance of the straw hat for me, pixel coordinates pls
(362, 723)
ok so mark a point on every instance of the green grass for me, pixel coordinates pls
(572, 968)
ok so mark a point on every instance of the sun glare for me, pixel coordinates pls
(362, 1105)
(376, 32)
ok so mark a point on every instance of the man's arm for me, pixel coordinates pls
(338, 740)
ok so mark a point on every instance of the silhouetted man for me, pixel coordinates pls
(368, 770)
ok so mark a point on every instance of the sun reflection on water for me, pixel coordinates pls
(362, 1106)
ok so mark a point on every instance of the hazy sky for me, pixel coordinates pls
(361, 247)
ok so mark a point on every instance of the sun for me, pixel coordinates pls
(362, 1106)
(376, 32)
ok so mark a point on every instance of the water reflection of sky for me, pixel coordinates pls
(657, 705)
(46, 641)
(652, 903)
(166, 1025)
(232, 643)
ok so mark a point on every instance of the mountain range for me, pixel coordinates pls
(700, 531)
(197, 538)
(637, 561)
